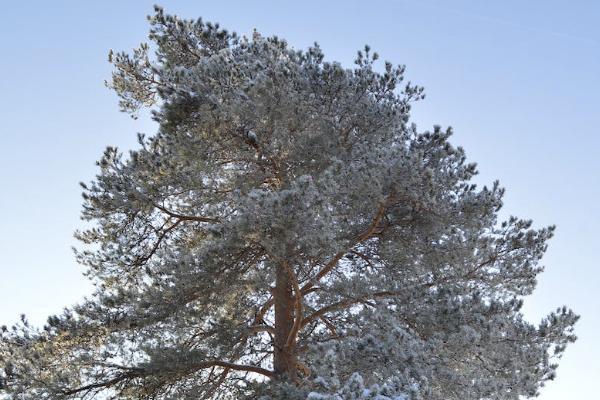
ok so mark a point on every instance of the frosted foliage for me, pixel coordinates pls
(354, 389)
(287, 233)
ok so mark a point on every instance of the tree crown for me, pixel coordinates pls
(288, 233)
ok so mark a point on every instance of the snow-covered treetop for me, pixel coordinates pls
(287, 233)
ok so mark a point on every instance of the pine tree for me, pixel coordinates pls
(287, 234)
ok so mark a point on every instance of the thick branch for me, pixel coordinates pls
(309, 286)
(340, 305)
(297, 306)
(186, 217)
(329, 325)
(106, 384)
(143, 259)
(217, 384)
(234, 367)
(261, 328)
(139, 372)
(383, 294)
(367, 234)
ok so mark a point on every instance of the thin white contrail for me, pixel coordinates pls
(499, 21)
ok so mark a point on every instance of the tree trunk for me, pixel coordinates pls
(284, 358)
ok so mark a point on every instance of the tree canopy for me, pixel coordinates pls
(287, 233)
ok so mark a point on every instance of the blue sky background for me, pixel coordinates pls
(517, 80)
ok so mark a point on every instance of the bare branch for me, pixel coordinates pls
(139, 372)
(143, 259)
(340, 305)
(186, 217)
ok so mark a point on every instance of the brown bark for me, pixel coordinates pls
(285, 358)
(287, 299)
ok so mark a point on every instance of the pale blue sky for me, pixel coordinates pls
(517, 80)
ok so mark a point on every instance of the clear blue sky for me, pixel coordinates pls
(517, 80)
